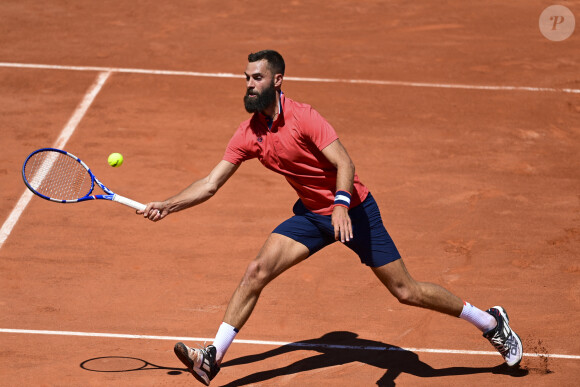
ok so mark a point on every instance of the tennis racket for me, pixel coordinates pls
(61, 177)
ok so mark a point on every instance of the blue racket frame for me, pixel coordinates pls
(109, 195)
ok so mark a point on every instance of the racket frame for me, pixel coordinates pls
(109, 195)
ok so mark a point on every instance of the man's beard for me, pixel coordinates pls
(262, 101)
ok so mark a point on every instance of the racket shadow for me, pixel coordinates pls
(339, 348)
(125, 364)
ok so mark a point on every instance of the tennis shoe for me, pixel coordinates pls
(503, 338)
(201, 362)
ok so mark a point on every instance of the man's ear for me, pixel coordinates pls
(278, 78)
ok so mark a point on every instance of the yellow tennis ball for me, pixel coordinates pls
(115, 159)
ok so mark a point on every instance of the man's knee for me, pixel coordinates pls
(278, 254)
(404, 296)
(408, 294)
(401, 285)
(257, 275)
(254, 275)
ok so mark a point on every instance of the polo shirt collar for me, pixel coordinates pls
(269, 121)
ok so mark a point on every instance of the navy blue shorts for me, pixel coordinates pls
(371, 241)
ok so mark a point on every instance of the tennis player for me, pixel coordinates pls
(294, 140)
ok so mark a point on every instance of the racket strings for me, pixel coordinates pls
(57, 176)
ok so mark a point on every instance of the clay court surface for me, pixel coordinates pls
(479, 187)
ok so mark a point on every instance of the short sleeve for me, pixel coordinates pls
(318, 130)
(238, 150)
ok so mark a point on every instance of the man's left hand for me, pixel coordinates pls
(342, 224)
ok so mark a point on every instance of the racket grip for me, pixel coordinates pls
(129, 202)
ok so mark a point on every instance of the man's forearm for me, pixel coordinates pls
(195, 194)
(345, 176)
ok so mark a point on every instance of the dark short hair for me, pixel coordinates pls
(274, 59)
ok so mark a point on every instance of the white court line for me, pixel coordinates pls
(61, 141)
(300, 79)
(275, 343)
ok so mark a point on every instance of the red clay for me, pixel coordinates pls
(479, 189)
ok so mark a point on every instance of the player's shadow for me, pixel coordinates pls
(338, 348)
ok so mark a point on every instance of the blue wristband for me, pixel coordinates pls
(342, 198)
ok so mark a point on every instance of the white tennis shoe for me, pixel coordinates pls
(503, 338)
(201, 362)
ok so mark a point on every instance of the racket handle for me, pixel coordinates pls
(129, 202)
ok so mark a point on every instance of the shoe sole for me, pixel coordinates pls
(182, 354)
(520, 346)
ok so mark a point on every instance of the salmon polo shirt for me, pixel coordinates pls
(292, 146)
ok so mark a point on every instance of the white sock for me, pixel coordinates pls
(223, 339)
(482, 320)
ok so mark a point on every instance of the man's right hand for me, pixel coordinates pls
(155, 211)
